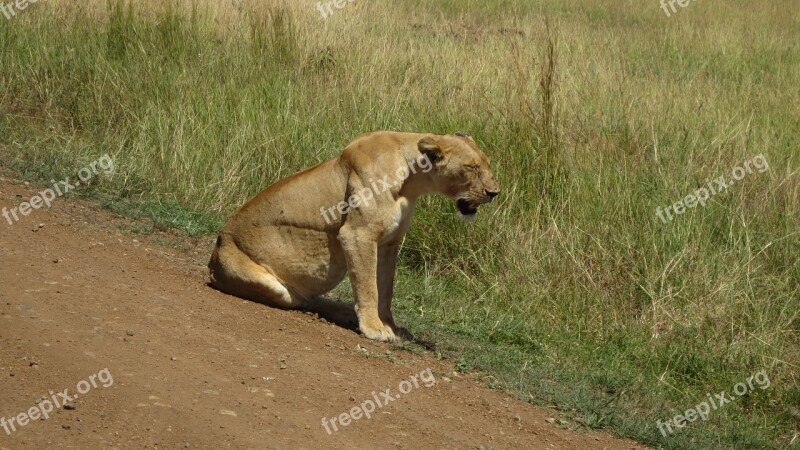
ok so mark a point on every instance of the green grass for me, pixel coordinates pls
(569, 291)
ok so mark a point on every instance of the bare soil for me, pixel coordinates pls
(193, 368)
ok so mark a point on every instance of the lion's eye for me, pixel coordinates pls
(471, 166)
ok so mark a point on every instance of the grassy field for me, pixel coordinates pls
(570, 291)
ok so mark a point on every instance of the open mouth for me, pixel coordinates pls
(465, 208)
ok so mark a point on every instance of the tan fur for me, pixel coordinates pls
(280, 250)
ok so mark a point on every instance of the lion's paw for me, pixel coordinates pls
(380, 333)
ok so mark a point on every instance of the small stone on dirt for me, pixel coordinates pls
(129, 332)
(70, 407)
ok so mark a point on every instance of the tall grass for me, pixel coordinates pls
(570, 290)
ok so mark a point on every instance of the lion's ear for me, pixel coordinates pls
(430, 148)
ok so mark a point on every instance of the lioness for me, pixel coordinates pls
(296, 239)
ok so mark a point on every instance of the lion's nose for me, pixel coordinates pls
(491, 194)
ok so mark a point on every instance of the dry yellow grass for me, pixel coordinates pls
(572, 276)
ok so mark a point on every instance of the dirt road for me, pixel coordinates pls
(153, 358)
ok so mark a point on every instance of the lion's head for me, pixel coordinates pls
(460, 171)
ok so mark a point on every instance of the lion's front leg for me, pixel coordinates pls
(387, 256)
(361, 252)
